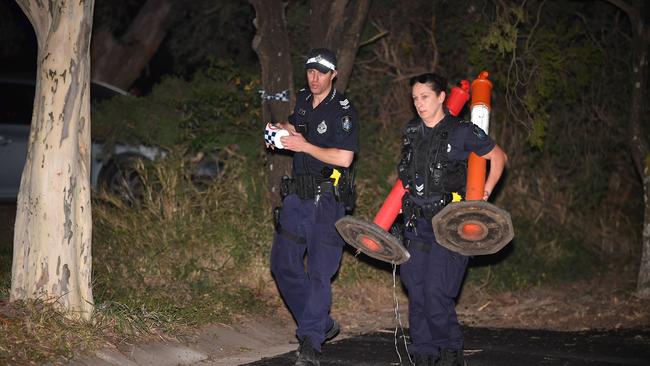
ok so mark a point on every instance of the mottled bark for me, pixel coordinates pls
(637, 11)
(337, 25)
(639, 142)
(120, 61)
(271, 43)
(52, 237)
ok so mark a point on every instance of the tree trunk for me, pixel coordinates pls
(52, 237)
(271, 43)
(337, 25)
(120, 61)
(637, 11)
(639, 142)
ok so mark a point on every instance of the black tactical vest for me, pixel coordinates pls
(425, 168)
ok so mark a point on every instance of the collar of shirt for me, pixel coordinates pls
(326, 100)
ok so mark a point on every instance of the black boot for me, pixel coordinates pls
(333, 330)
(307, 355)
(449, 357)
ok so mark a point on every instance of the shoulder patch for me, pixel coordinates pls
(346, 123)
(479, 133)
(345, 103)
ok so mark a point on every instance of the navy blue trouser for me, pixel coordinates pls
(307, 289)
(433, 281)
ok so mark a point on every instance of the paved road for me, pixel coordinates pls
(498, 347)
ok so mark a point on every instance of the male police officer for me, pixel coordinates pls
(324, 138)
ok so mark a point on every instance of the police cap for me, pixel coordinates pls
(321, 59)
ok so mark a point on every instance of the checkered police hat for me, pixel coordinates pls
(321, 59)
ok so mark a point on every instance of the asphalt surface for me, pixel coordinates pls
(497, 347)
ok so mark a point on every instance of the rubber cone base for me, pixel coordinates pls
(473, 228)
(372, 240)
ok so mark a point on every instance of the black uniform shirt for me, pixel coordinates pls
(464, 138)
(332, 124)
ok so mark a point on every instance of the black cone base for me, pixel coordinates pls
(372, 240)
(473, 228)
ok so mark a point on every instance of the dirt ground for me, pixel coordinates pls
(602, 303)
(606, 302)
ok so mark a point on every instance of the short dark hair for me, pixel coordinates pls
(436, 82)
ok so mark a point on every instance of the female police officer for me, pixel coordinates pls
(324, 138)
(433, 168)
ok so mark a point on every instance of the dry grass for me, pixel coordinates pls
(34, 332)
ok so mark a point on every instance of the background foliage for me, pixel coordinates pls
(559, 110)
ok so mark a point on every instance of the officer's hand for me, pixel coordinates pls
(486, 195)
(294, 142)
(288, 126)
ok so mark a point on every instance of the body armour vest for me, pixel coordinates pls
(425, 168)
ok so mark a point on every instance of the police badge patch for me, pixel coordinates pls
(322, 127)
(479, 133)
(346, 123)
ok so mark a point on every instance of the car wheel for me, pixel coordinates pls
(121, 177)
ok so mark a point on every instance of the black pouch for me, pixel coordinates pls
(348, 196)
(397, 229)
(276, 217)
(287, 186)
(345, 191)
(408, 208)
(305, 187)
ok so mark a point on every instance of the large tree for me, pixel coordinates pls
(52, 237)
(638, 13)
(120, 60)
(337, 25)
(333, 24)
(272, 46)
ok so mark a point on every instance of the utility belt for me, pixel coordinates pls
(418, 208)
(307, 187)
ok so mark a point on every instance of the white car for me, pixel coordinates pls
(112, 170)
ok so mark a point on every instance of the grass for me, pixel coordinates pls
(34, 332)
(535, 258)
(186, 263)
